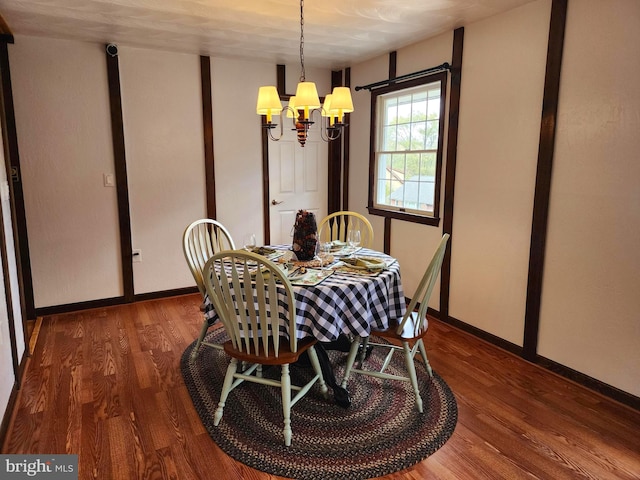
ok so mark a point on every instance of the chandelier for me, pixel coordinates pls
(304, 104)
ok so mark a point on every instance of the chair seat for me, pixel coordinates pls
(285, 356)
(412, 325)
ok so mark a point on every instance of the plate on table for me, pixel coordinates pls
(337, 245)
(296, 274)
(270, 253)
(346, 251)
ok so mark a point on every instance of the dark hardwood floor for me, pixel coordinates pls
(106, 384)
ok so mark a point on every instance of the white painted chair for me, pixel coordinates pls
(201, 239)
(251, 312)
(336, 225)
(409, 332)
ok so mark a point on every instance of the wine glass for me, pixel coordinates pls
(353, 238)
(250, 242)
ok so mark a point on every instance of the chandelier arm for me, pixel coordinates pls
(332, 136)
(275, 139)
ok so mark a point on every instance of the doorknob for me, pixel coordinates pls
(275, 202)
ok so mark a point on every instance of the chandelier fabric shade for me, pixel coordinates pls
(305, 103)
(268, 102)
(307, 97)
(341, 102)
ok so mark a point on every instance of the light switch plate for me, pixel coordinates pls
(109, 180)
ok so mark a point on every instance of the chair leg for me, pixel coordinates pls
(285, 384)
(315, 362)
(226, 388)
(408, 360)
(423, 352)
(363, 352)
(203, 333)
(351, 358)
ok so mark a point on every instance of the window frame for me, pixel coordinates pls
(395, 212)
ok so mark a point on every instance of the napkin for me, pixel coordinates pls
(365, 263)
(264, 251)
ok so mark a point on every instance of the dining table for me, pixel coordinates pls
(338, 300)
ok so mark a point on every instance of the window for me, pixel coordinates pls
(407, 150)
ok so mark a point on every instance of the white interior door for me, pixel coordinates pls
(297, 180)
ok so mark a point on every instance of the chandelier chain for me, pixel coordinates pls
(302, 72)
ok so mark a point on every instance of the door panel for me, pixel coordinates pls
(297, 180)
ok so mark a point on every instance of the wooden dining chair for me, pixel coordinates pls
(256, 304)
(406, 335)
(201, 239)
(336, 225)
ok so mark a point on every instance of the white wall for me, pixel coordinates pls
(359, 125)
(503, 69)
(164, 144)
(590, 312)
(64, 136)
(238, 144)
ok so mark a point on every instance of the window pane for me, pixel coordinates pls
(418, 138)
(391, 111)
(431, 134)
(428, 164)
(404, 137)
(398, 162)
(389, 138)
(433, 108)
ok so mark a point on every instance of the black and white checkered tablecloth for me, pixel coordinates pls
(345, 303)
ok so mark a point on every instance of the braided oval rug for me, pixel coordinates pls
(380, 433)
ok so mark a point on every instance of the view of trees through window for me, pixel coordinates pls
(407, 146)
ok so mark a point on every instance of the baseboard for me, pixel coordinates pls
(165, 294)
(493, 339)
(109, 302)
(76, 307)
(590, 382)
(562, 370)
(33, 339)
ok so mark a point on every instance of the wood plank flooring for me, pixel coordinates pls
(105, 384)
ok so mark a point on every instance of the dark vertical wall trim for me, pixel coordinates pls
(450, 175)
(334, 165)
(393, 62)
(266, 206)
(12, 161)
(207, 123)
(281, 79)
(387, 235)
(543, 177)
(4, 64)
(346, 143)
(266, 211)
(120, 162)
(9, 301)
(10, 146)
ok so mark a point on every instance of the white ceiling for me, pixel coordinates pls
(337, 33)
